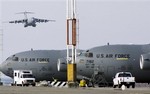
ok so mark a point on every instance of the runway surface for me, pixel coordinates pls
(51, 90)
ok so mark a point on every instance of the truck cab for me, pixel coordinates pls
(23, 77)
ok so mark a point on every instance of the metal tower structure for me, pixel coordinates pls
(71, 43)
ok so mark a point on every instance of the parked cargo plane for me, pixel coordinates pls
(103, 62)
(30, 21)
(98, 63)
(43, 64)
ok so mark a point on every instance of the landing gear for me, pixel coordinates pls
(98, 78)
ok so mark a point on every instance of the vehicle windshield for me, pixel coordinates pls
(124, 75)
(27, 76)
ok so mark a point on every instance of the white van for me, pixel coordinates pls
(23, 77)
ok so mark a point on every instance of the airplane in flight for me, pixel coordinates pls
(99, 63)
(30, 21)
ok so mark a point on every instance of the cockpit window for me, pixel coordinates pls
(81, 54)
(87, 54)
(15, 58)
(7, 58)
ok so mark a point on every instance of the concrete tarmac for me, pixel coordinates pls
(51, 90)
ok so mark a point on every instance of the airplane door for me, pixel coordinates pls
(10, 72)
(110, 71)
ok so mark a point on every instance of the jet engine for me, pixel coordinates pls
(145, 62)
(62, 65)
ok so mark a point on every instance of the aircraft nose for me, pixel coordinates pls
(2, 65)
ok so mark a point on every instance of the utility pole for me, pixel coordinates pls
(71, 43)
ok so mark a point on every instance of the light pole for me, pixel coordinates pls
(71, 43)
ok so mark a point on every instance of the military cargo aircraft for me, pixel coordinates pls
(103, 62)
(99, 63)
(110, 59)
(30, 21)
(43, 64)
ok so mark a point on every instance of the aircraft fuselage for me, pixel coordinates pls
(30, 22)
(111, 59)
(43, 63)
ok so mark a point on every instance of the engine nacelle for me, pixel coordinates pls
(145, 62)
(62, 65)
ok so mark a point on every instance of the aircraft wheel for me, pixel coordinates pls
(128, 86)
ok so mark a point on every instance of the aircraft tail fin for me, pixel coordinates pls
(25, 12)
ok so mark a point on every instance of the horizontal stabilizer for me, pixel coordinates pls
(25, 12)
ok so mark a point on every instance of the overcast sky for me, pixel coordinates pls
(100, 21)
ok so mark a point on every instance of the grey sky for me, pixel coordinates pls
(100, 21)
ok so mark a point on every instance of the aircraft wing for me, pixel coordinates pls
(18, 21)
(43, 20)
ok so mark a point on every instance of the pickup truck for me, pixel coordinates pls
(124, 78)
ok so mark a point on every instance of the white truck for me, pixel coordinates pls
(124, 78)
(23, 77)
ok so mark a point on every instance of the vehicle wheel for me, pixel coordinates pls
(114, 86)
(120, 85)
(128, 86)
(133, 85)
(33, 85)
